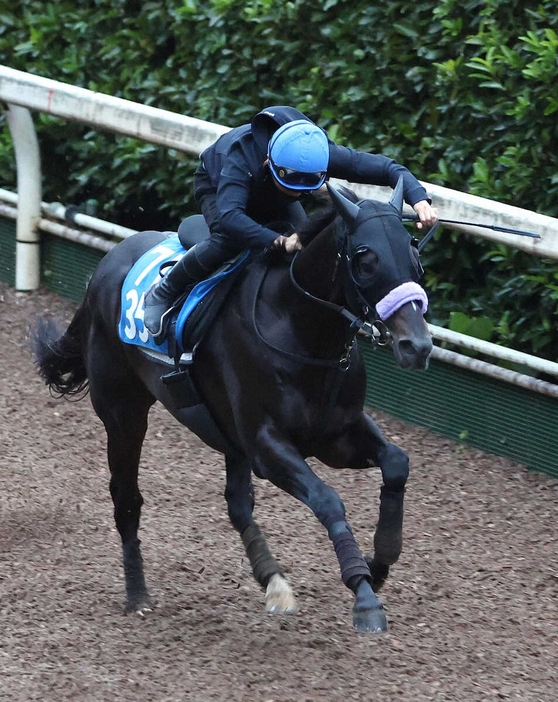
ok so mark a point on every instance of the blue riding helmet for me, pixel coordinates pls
(298, 154)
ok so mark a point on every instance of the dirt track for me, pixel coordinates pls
(472, 603)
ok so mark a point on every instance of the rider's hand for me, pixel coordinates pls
(427, 214)
(290, 244)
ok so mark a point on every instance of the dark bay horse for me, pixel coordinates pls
(281, 380)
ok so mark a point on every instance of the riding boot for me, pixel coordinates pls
(161, 297)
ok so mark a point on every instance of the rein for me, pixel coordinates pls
(376, 331)
(342, 363)
(382, 338)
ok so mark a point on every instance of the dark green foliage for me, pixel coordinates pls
(463, 92)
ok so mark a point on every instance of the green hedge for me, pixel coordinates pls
(463, 93)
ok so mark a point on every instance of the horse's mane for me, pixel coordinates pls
(324, 214)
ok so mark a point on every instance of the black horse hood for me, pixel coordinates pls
(266, 122)
(390, 243)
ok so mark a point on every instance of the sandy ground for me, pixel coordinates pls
(472, 603)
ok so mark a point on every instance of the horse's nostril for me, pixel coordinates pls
(407, 347)
(414, 352)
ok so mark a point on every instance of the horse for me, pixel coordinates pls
(280, 378)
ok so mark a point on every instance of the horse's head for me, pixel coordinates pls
(382, 270)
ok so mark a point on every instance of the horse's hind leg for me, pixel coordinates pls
(239, 494)
(125, 434)
(123, 406)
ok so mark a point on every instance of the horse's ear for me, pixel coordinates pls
(347, 209)
(396, 200)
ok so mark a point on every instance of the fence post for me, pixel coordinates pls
(28, 265)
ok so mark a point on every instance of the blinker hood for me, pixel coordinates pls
(383, 233)
(373, 226)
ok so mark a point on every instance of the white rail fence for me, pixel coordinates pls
(22, 92)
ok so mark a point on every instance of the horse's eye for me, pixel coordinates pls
(364, 264)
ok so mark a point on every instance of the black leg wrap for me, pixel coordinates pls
(262, 562)
(351, 561)
(136, 590)
(388, 539)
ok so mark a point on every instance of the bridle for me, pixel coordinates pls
(376, 331)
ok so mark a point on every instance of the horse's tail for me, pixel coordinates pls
(59, 356)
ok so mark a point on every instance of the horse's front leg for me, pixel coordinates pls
(280, 462)
(239, 493)
(388, 538)
(362, 446)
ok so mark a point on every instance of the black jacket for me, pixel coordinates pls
(246, 196)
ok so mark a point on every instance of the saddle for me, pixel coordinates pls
(193, 314)
(186, 333)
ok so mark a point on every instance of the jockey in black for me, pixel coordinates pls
(254, 175)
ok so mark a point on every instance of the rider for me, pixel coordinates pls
(254, 175)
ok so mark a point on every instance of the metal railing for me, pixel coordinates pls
(23, 92)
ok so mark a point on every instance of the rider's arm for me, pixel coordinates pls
(374, 169)
(233, 194)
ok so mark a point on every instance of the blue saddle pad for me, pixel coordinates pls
(141, 277)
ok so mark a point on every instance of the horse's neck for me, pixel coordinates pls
(316, 269)
(300, 323)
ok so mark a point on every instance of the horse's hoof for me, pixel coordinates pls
(143, 611)
(279, 598)
(370, 621)
(291, 608)
(140, 608)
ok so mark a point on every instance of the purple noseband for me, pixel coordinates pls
(407, 292)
